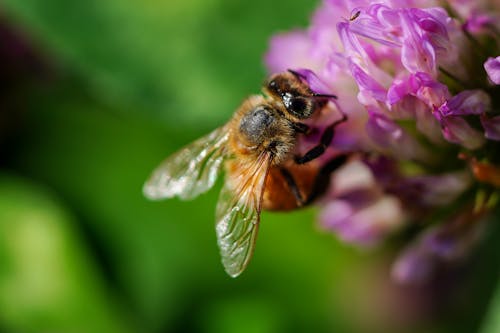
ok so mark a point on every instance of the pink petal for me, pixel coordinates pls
(290, 50)
(457, 130)
(492, 67)
(467, 102)
(491, 127)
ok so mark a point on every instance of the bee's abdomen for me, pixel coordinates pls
(278, 194)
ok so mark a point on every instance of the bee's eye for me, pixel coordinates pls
(273, 86)
(298, 104)
(300, 107)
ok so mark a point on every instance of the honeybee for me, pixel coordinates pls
(257, 150)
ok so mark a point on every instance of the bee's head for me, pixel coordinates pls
(293, 92)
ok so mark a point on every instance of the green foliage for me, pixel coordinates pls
(47, 280)
(192, 59)
(492, 323)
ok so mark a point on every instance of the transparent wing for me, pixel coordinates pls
(192, 170)
(238, 213)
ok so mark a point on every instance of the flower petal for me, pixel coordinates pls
(315, 83)
(492, 67)
(448, 242)
(418, 53)
(289, 50)
(491, 127)
(363, 225)
(457, 130)
(468, 102)
(367, 84)
(388, 135)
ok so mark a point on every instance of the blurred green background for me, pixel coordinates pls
(93, 95)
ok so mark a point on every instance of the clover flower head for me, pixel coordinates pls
(419, 82)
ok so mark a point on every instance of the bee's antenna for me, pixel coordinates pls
(324, 96)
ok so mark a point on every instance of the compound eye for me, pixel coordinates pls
(298, 104)
(300, 107)
(274, 87)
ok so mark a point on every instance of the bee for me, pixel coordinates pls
(257, 150)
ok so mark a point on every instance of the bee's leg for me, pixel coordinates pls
(326, 139)
(321, 182)
(293, 186)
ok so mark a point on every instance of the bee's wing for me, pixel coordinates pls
(190, 171)
(238, 213)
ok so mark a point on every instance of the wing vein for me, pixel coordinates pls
(238, 212)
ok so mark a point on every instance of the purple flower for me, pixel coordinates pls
(458, 130)
(468, 102)
(406, 73)
(417, 53)
(479, 23)
(387, 134)
(414, 266)
(492, 67)
(364, 225)
(418, 194)
(296, 46)
(357, 209)
(446, 244)
(368, 86)
(491, 127)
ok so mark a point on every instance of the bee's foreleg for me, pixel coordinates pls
(321, 182)
(319, 149)
(293, 186)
